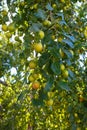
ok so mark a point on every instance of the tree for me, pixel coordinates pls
(43, 42)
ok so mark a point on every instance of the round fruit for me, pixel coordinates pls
(32, 65)
(31, 78)
(60, 39)
(53, 37)
(50, 94)
(4, 12)
(11, 27)
(50, 102)
(38, 47)
(35, 76)
(47, 23)
(63, 1)
(65, 74)
(36, 85)
(81, 99)
(8, 35)
(4, 27)
(62, 67)
(41, 34)
(54, 6)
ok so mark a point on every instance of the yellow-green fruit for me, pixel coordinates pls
(11, 27)
(36, 85)
(63, 1)
(85, 33)
(4, 27)
(31, 78)
(4, 12)
(53, 37)
(60, 39)
(54, 6)
(65, 73)
(50, 102)
(38, 47)
(62, 67)
(32, 65)
(41, 34)
(50, 94)
(8, 35)
(47, 23)
(35, 76)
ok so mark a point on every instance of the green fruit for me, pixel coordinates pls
(41, 34)
(38, 47)
(62, 67)
(65, 73)
(11, 27)
(4, 27)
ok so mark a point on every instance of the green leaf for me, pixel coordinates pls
(48, 6)
(68, 53)
(55, 66)
(40, 14)
(68, 42)
(63, 85)
(71, 74)
(22, 94)
(43, 59)
(49, 85)
(41, 98)
(72, 38)
(8, 2)
(35, 27)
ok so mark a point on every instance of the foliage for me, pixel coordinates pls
(43, 65)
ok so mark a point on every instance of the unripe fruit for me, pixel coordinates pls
(62, 67)
(47, 23)
(41, 34)
(60, 39)
(32, 65)
(63, 1)
(50, 94)
(11, 27)
(38, 47)
(4, 12)
(53, 37)
(35, 76)
(54, 6)
(50, 102)
(4, 27)
(65, 73)
(31, 78)
(8, 35)
(36, 85)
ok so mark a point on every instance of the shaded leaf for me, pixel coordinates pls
(68, 42)
(48, 85)
(40, 14)
(55, 66)
(63, 85)
(35, 27)
(48, 6)
(22, 94)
